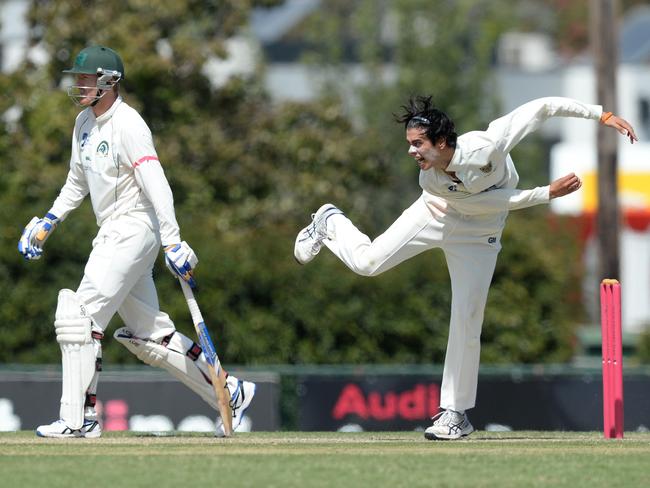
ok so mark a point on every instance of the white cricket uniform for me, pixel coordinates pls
(114, 159)
(464, 218)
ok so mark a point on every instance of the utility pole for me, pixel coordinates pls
(604, 40)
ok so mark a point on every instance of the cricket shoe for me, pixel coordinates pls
(90, 430)
(241, 395)
(449, 425)
(310, 239)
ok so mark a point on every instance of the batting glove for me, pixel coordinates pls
(34, 236)
(181, 261)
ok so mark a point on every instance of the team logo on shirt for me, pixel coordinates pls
(452, 188)
(492, 240)
(102, 149)
(487, 169)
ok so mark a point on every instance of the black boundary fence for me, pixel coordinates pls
(331, 398)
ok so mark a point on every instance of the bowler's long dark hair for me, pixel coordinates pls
(420, 112)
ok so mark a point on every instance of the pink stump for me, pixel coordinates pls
(610, 310)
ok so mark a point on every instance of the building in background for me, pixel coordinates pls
(13, 34)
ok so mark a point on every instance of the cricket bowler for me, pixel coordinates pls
(469, 184)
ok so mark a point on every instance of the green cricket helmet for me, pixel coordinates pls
(96, 60)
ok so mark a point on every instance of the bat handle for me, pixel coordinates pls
(195, 311)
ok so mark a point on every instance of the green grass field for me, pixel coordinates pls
(288, 459)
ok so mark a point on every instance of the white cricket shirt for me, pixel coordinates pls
(486, 174)
(113, 158)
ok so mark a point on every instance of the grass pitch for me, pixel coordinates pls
(288, 459)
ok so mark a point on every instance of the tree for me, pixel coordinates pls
(410, 47)
(446, 49)
(245, 174)
(242, 171)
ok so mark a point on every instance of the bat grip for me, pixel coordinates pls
(197, 318)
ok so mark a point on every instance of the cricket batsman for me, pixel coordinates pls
(114, 160)
(469, 184)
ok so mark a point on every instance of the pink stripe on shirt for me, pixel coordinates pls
(144, 160)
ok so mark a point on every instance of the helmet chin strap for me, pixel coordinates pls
(100, 94)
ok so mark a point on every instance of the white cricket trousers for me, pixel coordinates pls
(118, 278)
(470, 244)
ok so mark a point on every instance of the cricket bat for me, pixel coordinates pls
(217, 374)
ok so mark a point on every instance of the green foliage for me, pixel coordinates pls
(246, 173)
(447, 51)
(643, 347)
(243, 172)
(409, 47)
(534, 303)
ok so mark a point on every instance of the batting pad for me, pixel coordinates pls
(78, 353)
